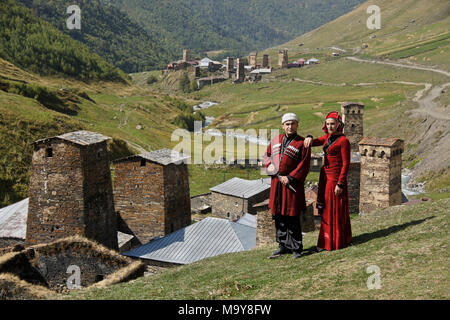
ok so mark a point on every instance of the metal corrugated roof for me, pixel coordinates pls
(242, 188)
(207, 238)
(248, 220)
(13, 220)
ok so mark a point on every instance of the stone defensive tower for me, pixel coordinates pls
(186, 55)
(283, 58)
(381, 166)
(240, 71)
(265, 62)
(151, 194)
(253, 59)
(71, 190)
(352, 116)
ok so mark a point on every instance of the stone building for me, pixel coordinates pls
(151, 194)
(283, 58)
(354, 182)
(186, 55)
(381, 165)
(253, 59)
(71, 191)
(265, 61)
(235, 197)
(240, 71)
(265, 225)
(352, 116)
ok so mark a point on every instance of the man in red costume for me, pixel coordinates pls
(287, 161)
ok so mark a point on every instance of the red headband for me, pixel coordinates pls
(334, 115)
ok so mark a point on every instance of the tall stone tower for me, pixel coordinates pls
(283, 58)
(151, 194)
(265, 62)
(187, 55)
(240, 72)
(352, 116)
(71, 190)
(381, 168)
(253, 59)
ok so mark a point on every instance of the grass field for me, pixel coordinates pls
(409, 244)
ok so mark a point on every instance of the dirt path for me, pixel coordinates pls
(396, 64)
(426, 103)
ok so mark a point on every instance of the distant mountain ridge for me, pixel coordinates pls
(234, 26)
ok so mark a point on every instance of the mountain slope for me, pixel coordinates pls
(415, 30)
(106, 31)
(37, 46)
(233, 26)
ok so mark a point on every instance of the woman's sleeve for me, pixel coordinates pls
(319, 141)
(345, 154)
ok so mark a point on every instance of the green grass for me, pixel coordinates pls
(408, 243)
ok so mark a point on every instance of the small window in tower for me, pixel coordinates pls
(353, 125)
(228, 214)
(49, 152)
(143, 162)
(99, 277)
(99, 154)
(171, 227)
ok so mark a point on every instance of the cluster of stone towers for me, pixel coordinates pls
(374, 177)
(71, 192)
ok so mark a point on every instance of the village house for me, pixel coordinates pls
(151, 194)
(235, 197)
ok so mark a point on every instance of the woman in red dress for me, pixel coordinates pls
(332, 198)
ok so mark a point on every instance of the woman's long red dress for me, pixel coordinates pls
(335, 230)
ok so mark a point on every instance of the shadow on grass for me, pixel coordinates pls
(365, 237)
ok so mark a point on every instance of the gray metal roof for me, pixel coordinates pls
(13, 220)
(81, 137)
(248, 220)
(161, 156)
(242, 188)
(207, 238)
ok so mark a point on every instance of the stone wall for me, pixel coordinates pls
(151, 199)
(353, 184)
(265, 229)
(139, 198)
(47, 265)
(70, 193)
(232, 207)
(176, 197)
(265, 61)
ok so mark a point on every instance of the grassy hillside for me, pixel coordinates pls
(408, 243)
(36, 46)
(414, 30)
(107, 31)
(34, 107)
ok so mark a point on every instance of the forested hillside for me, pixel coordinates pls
(232, 27)
(37, 46)
(106, 31)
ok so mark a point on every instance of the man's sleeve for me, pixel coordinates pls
(268, 156)
(302, 169)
